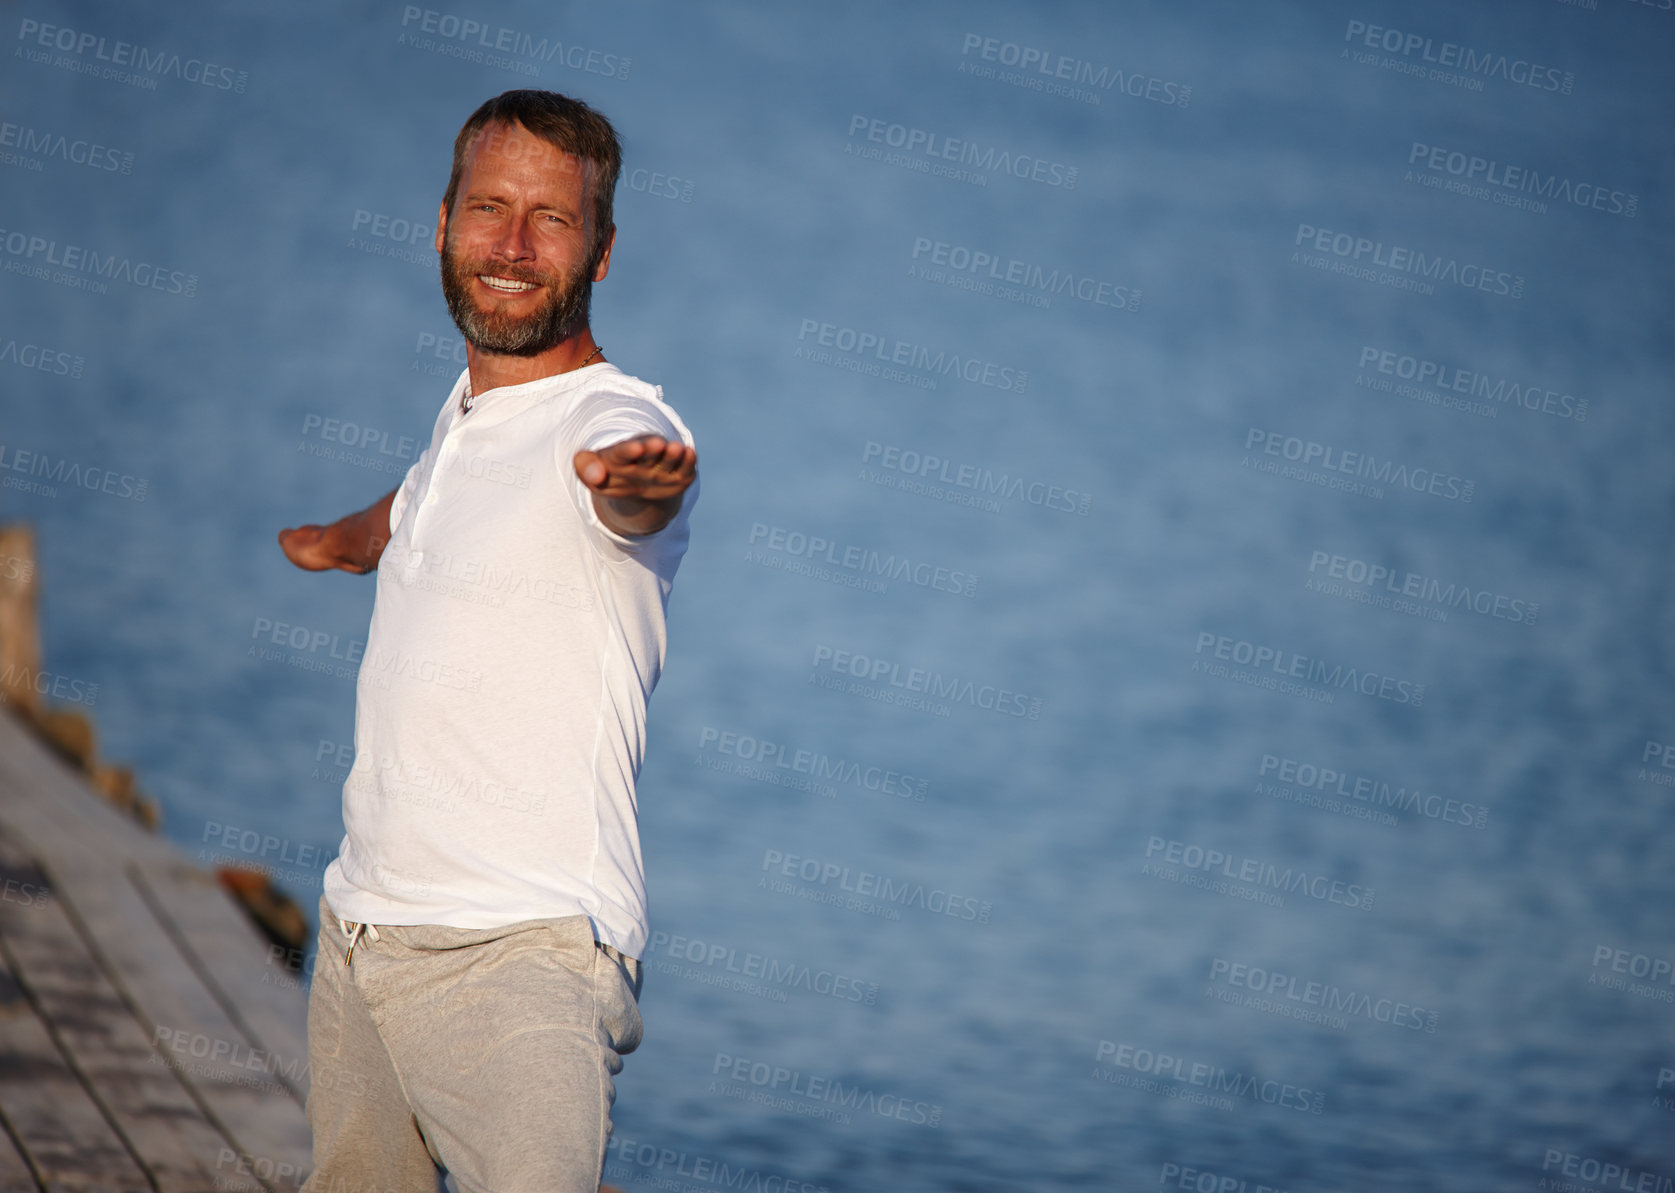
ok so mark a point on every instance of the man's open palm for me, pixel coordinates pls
(648, 467)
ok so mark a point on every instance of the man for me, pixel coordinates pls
(477, 978)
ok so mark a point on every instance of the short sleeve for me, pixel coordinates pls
(607, 418)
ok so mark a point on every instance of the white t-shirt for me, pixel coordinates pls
(500, 709)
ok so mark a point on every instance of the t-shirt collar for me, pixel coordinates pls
(507, 395)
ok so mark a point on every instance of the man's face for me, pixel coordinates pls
(516, 268)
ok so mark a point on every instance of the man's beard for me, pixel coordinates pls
(561, 315)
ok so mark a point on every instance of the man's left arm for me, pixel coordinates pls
(637, 484)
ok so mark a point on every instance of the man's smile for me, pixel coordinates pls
(505, 285)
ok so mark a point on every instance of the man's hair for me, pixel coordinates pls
(566, 123)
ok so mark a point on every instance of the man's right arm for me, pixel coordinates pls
(353, 543)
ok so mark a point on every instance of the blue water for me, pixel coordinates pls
(1490, 956)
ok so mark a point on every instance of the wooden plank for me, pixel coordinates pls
(47, 1108)
(40, 786)
(232, 1074)
(15, 1173)
(230, 957)
(174, 1141)
(85, 848)
(15, 1176)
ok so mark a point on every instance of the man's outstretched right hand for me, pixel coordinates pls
(351, 544)
(310, 548)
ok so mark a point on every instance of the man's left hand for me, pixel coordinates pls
(637, 484)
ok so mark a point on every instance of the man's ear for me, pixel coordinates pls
(604, 265)
(441, 225)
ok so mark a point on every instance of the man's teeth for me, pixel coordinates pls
(504, 285)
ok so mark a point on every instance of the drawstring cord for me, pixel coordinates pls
(353, 932)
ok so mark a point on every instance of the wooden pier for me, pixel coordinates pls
(151, 1041)
(148, 1039)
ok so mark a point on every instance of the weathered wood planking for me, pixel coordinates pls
(159, 1001)
(99, 1037)
(15, 1176)
(49, 1111)
(268, 1007)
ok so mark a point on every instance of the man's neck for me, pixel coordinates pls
(492, 370)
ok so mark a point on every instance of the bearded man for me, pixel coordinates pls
(477, 978)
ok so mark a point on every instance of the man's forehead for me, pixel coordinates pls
(513, 143)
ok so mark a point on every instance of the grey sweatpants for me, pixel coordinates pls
(488, 1052)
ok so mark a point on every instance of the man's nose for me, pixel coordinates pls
(513, 244)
